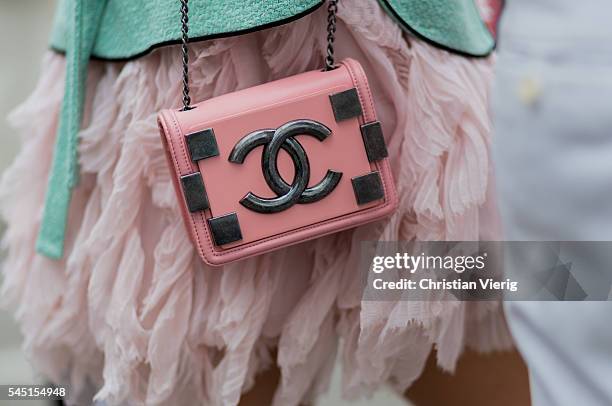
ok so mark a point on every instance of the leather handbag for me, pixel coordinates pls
(280, 163)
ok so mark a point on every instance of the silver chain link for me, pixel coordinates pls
(185, 51)
(332, 9)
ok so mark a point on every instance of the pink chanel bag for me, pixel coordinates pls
(280, 163)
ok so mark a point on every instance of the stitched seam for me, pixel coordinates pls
(177, 131)
(183, 140)
(356, 85)
(201, 212)
(368, 92)
(356, 82)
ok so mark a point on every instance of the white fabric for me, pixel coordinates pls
(553, 154)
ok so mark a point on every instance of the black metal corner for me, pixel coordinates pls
(346, 104)
(374, 141)
(225, 229)
(202, 144)
(194, 192)
(368, 188)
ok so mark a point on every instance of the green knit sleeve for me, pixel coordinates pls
(130, 28)
(455, 25)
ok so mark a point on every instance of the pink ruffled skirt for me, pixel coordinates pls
(132, 316)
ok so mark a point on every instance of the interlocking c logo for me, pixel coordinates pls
(288, 194)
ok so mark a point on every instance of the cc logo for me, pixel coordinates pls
(273, 141)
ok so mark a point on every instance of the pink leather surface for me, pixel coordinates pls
(234, 115)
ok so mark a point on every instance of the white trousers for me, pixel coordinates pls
(552, 111)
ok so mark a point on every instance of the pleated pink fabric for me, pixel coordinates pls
(132, 316)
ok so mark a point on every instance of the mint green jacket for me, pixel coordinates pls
(126, 29)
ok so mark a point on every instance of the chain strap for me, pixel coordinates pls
(332, 9)
(185, 52)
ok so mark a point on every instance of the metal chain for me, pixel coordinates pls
(185, 51)
(332, 9)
